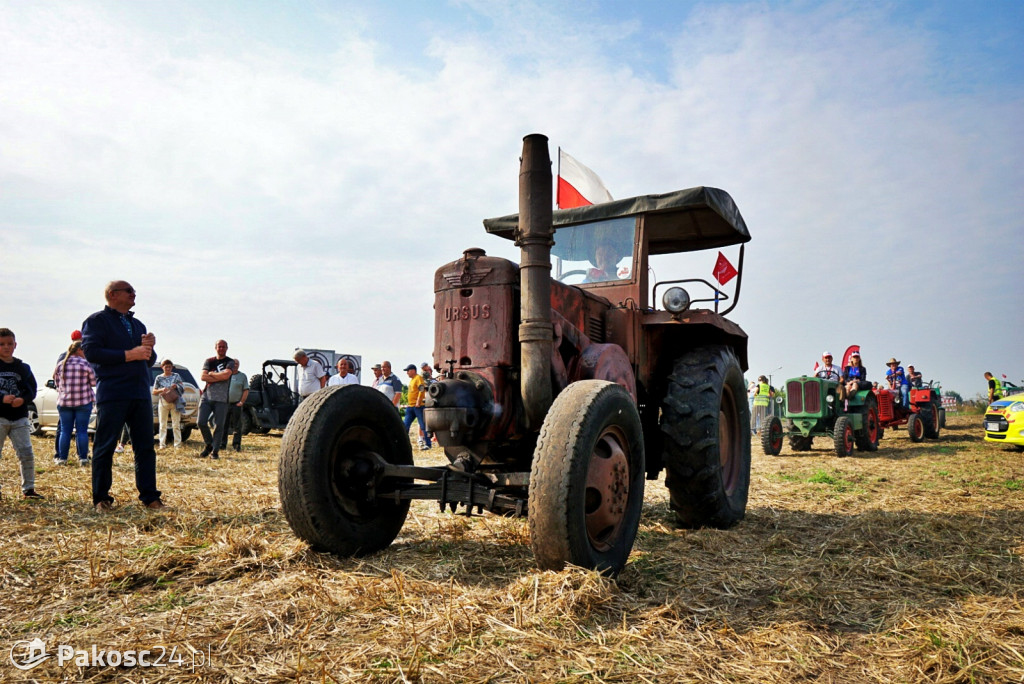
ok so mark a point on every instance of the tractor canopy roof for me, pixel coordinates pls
(280, 362)
(680, 221)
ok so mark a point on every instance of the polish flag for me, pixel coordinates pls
(724, 271)
(578, 186)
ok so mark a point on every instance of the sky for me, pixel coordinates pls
(286, 175)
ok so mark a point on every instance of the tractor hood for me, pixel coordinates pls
(681, 221)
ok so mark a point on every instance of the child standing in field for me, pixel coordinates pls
(17, 389)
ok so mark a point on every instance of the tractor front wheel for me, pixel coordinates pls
(842, 437)
(587, 479)
(771, 437)
(915, 427)
(705, 425)
(331, 453)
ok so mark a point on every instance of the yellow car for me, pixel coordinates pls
(1004, 421)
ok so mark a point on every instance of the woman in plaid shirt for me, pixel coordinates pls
(75, 380)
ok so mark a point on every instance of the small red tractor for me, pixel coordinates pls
(922, 416)
(555, 400)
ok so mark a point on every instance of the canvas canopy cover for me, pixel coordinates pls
(681, 221)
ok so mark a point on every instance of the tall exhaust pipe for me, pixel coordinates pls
(534, 237)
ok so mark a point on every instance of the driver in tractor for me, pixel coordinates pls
(607, 261)
(897, 379)
(826, 371)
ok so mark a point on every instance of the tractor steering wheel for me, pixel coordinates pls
(578, 271)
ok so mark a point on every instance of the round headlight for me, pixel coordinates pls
(676, 299)
(830, 398)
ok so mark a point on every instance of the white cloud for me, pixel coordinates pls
(277, 198)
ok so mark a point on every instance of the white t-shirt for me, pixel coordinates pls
(336, 379)
(309, 377)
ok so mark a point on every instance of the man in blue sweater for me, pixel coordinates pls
(122, 351)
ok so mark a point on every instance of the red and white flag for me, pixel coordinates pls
(724, 271)
(578, 186)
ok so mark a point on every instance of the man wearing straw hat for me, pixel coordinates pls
(897, 379)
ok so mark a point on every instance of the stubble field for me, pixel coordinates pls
(901, 566)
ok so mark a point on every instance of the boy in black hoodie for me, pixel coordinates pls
(17, 390)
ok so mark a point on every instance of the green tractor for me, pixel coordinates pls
(815, 407)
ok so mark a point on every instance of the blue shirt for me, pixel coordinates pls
(897, 377)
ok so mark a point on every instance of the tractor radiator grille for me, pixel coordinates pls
(812, 397)
(794, 397)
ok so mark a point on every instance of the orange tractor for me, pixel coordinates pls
(563, 386)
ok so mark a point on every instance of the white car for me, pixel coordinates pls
(43, 416)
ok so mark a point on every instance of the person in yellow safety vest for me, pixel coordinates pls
(764, 392)
(761, 400)
(995, 388)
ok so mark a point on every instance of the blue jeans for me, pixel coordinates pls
(76, 417)
(416, 413)
(111, 417)
(20, 433)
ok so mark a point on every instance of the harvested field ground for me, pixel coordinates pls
(901, 566)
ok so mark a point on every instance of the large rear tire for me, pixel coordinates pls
(771, 436)
(930, 416)
(867, 437)
(705, 422)
(327, 481)
(587, 479)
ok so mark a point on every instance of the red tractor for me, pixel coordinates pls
(921, 417)
(555, 400)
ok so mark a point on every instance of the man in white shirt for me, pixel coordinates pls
(826, 370)
(345, 375)
(311, 375)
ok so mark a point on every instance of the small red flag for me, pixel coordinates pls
(724, 271)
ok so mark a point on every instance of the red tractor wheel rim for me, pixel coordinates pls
(848, 439)
(872, 426)
(607, 490)
(775, 435)
(728, 440)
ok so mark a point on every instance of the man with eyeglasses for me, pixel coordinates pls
(121, 350)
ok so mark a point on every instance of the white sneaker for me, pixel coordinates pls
(421, 444)
(118, 449)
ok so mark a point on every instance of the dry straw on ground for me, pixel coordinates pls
(902, 566)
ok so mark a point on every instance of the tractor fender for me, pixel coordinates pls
(604, 362)
(665, 336)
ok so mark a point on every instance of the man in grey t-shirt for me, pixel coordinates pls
(217, 371)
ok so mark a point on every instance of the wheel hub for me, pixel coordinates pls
(607, 490)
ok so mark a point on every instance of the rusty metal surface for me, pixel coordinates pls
(534, 237)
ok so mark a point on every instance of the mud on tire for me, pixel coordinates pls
(587, 479)
(705, 425)
(326, 473)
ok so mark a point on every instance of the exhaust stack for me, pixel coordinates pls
(535, 236)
